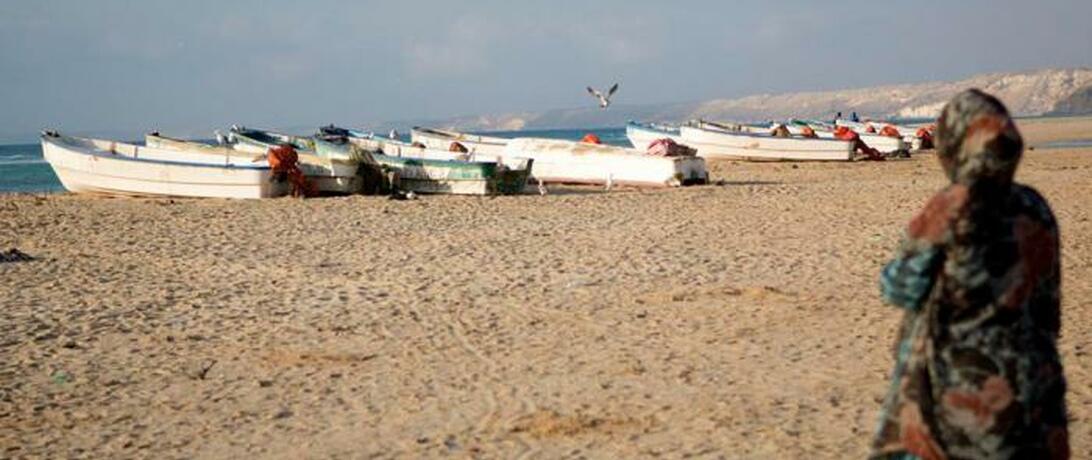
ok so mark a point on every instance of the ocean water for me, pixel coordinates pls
(24, 170)
(1071, 144)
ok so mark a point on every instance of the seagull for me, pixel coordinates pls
(604, 101)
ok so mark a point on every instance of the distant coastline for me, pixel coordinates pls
(1047, 92)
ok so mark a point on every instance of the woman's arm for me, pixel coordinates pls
(907, 280)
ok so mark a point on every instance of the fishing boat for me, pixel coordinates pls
(907, 133)
(714, 141)
(585, 163)
(428, 171)
(330, 176)
(885, 144)
(97, 166)
(642, 135)
(259, 141)
(441, 139)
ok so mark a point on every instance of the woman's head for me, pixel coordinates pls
(977, 141)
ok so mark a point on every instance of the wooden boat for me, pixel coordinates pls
(424, 171)
(641, 135)
(330, 176)
(441, 139)
(714, 142)
(583, 163)
(115, 168)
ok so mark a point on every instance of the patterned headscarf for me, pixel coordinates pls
(977, 141)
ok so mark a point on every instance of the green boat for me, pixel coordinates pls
(425, 171)
(259, 141)
(330, 176)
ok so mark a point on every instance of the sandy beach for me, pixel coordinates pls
(738, 320)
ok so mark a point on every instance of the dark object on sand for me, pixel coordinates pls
(15, 255)
(400, 195)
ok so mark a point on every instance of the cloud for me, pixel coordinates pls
(461, 50)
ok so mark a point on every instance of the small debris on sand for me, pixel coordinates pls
(15, 255)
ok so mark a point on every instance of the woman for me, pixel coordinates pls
(977, 369)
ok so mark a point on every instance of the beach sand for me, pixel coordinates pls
(739, 320)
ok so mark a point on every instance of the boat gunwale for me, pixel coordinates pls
(109, 155)
(456, 136)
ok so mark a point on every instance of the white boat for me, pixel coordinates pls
(885, 144)
(719, 143)
(642, 135)
(579, 162)
(908, 133)
(116, 168)
(330, 176)
(441, 139)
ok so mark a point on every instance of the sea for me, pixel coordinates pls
(24, 170)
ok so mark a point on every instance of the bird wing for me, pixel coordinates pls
(593, 92)
(612, 90)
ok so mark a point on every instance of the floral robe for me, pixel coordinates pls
(977, 369)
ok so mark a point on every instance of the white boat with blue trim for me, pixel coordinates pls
(105, 167)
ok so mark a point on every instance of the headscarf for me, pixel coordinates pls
(977, 141)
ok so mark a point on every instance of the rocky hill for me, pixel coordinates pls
(1079, 103)
(1050, 91)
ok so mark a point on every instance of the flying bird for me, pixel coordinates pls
(604, 101)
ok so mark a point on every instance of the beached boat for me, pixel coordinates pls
(642, 135)
(561, 161)
(441, 139)
(910, 134)
(427, 171)
(869, 127)
(115, 168)
(712, 141)
(885, 144)
(330, 176)
(259, 141)
(584, 163)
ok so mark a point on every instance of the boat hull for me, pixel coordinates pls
(582, 163)
(884, 144)
(83, 167)
(722, 144)
(642, 136)
(909, 135)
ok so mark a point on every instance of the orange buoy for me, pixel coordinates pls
(890, 131)
(591, 138)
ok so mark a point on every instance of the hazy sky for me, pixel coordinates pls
(194, 64)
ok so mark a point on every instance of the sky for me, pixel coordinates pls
(194, 65)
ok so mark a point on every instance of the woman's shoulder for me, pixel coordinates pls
(1030, 203)
(934, 221)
